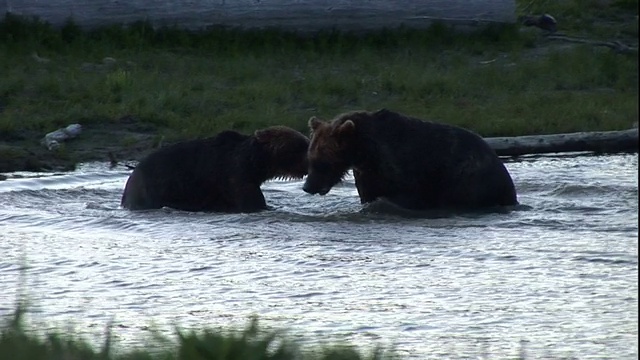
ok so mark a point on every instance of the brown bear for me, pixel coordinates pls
(415, 164)
(217, 174)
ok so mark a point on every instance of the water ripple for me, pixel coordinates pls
(553, 278)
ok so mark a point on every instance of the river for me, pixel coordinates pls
(557, 277)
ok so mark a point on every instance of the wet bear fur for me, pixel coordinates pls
(217, 174)
(415, 164)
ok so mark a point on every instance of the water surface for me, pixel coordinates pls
(557, 277)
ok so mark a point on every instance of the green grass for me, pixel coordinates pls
(495, 81)
(253, 343)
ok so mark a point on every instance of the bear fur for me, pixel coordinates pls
(217, 174)
(415, 164)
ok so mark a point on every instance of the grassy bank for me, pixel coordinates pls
(252, 343)
(166, 83)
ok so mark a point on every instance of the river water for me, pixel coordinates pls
(556, 278)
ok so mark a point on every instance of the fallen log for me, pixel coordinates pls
(615, 45)
(599, 142)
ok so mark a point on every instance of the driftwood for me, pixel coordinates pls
(600, 142)
(296, 15)
(615, 45)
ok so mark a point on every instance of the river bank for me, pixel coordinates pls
(137, 88)
(99, 142)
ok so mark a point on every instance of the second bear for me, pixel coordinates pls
(415, 164)
(222, 173)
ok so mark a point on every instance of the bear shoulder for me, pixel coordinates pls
(227, 137)
(190, 148)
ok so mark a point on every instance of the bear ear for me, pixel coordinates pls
(347, 128)
(314, 123)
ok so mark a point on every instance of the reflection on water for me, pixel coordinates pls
(556, 277)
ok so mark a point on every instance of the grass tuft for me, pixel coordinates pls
(17, 342)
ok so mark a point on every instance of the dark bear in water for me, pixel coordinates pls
(415, 164)
(222, 173)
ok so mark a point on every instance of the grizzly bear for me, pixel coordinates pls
(217, 174)
(415, 164)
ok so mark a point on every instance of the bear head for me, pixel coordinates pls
(329, 154)
(287, 151)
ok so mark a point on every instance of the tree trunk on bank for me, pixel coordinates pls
(295, 15)
(601, 142)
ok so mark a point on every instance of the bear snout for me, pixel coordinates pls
(308, 188)
(311, 189)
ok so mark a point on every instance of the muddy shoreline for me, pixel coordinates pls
(127, 141)
(121, 142)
